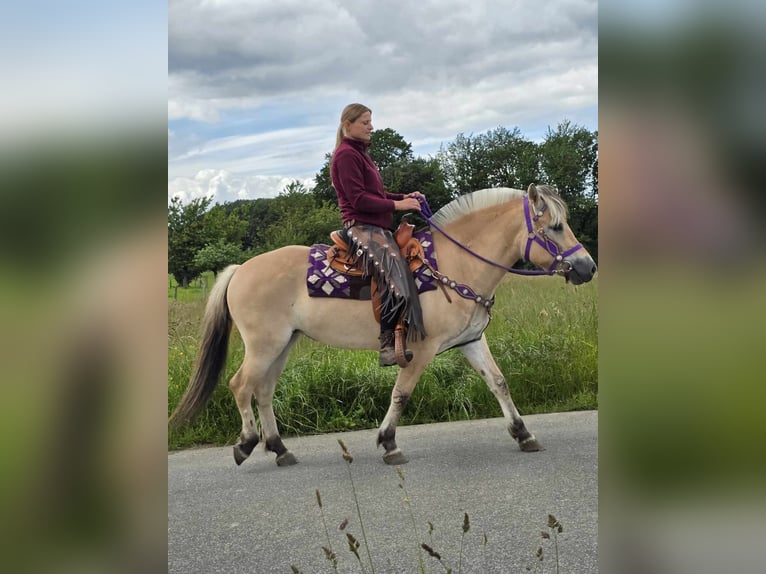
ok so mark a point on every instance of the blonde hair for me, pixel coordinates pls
(350, 113)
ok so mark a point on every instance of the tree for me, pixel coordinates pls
(497, 158)
(216, 256)
(323, 190)
(594, 169)
(513, 161)
(187, 234)
(387, 147)
(257, 215)
(300, 221)
(226, 224)
(569, 158)
(465, 164)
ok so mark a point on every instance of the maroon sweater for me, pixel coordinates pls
(357, 183)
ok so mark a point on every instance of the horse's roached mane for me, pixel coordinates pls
(491, 197)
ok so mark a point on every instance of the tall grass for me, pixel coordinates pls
(416, 536)
(543, 335)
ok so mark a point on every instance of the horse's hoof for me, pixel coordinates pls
(286, 459)
(239, 455)
(530, 444)
(395, 456)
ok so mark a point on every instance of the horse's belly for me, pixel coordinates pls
(338, 322)
(476, 326)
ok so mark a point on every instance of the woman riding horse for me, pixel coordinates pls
(367, 209)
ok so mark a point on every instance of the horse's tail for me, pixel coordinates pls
(214, 346)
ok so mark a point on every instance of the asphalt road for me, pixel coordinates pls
(260, 518)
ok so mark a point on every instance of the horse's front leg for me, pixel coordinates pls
(481, 359)
(400, 396)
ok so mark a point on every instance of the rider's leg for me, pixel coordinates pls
(387, 351)
(388, 323)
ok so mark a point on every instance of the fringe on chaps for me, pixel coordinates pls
(379, 254)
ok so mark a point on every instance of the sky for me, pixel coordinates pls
(256, 88)
(80, 66)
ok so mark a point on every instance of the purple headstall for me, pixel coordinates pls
(557, 266)
(542, 240)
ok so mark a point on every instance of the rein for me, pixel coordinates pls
(557, 266)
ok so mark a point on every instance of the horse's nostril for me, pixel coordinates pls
(593, 270)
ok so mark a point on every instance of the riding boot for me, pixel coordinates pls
(387, 356)
(387, 352)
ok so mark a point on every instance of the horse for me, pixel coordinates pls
(477, 238)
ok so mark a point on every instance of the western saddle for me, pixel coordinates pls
(344, 260)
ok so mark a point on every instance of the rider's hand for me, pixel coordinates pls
(406, 204)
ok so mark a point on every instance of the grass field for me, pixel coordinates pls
(543, 335)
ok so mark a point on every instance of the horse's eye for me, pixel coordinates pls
(558, 227)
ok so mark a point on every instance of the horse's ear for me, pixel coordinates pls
(532, 192)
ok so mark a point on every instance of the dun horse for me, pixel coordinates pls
(477, 238)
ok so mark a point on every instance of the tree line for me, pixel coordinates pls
(204, 237)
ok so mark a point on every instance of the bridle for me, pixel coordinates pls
(558, 266)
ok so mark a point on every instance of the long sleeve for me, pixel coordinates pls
(353, 178)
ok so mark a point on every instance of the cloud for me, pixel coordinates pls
(223, 186)
(261, 48)
(256, 87)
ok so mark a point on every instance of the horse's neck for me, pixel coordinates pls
(490, 233)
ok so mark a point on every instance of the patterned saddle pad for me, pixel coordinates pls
(324, 281)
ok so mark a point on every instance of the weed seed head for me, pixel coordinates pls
(353, 544)
(431, 551)
(347, 456)
(329, 554)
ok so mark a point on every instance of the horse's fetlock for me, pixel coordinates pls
(247, 443)
(387, 438)
(275, 444)
(518, 431)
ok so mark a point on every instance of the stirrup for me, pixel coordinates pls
(391, 350)
(403, 355)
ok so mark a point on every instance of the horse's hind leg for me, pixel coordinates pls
(257, 377)
(480, 358)
(243, 395)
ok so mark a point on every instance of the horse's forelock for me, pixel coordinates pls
(556, 206)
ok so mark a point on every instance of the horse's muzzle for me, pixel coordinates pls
(581, 270)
